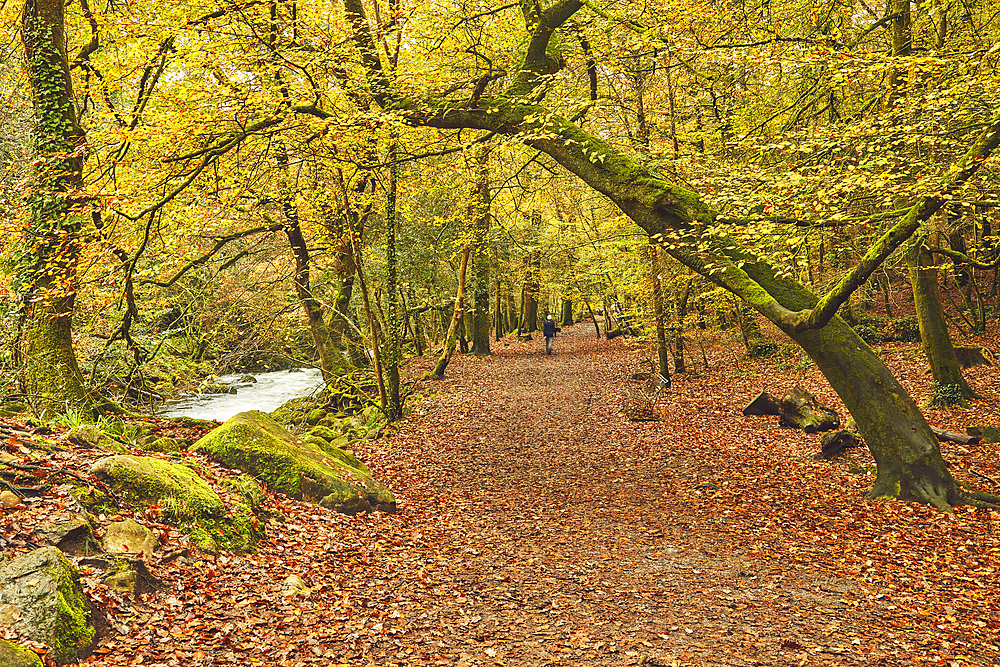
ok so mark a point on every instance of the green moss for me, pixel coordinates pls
(162, 445)
(147, 480)
(324, 433)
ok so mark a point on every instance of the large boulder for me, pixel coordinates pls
(184, 499)
(70, 532)
(12, 655)
(313, 470)
(41, 596)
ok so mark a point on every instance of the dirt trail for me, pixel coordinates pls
(579, 539)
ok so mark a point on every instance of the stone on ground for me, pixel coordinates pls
(41, 596)
(12, 655)
(128, 536)
(306, 470)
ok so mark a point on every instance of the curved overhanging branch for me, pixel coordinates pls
(538, 61)
(670, 212)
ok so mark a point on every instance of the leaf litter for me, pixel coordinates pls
(538, 526)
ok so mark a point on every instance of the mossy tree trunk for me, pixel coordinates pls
(951, 388)
(909, 460)
(451, 338)
(567, 313)
(50, 252)
(394, 333)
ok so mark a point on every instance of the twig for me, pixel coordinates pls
(986, 477)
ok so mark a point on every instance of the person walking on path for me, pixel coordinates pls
(549, 331)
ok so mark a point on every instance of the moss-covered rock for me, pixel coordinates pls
(316, 416)
(183, 497)
(256, 444)
(91, 437)
(323, 432)
(161, 445)
(12, 655)
(41, 595)
(191, 422)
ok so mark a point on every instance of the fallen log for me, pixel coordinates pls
(835, 443)
(796, 409)
(958, 438)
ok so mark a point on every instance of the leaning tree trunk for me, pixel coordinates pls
(50, 253)
(910, 465)
(450, 339)
(950, 386)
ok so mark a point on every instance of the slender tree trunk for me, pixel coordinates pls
(57, 203)
(329, 354)
(498, 317)
(529, 323)
(950, 386)
(680, 310)
(394, 333)
(372, 328)
(662, 352)
(450, 338)
(480, 209)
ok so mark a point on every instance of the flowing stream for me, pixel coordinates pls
(270, 391)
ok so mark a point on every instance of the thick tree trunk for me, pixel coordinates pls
(950, 386)
(341, 224)
(50, 253)
(567, 313)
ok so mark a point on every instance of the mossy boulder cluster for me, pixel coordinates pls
(314, 468)
(344, 404)
(183, 498)
(12, 655)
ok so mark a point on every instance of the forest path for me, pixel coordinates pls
(573, 536)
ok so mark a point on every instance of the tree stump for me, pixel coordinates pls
(796, 409)
(973, 356)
